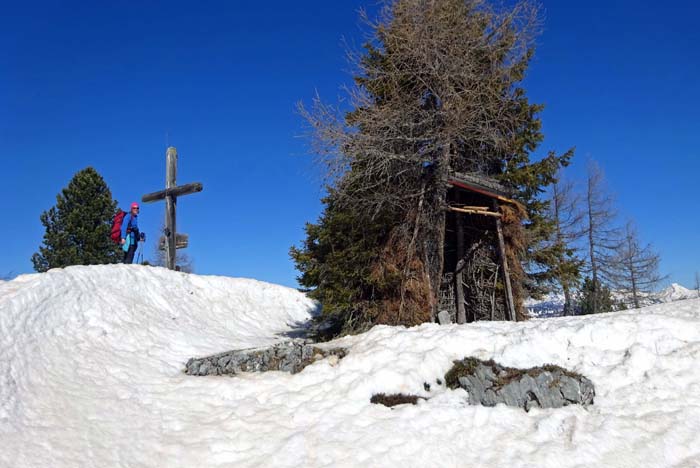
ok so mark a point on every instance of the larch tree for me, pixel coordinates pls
(637, 268)
(567, 216)
(78, 226)
(437, 90)
(602, 236)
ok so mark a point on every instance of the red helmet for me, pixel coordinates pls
(134, 205)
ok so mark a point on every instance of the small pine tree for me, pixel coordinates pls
(78, 226)
(595, 298)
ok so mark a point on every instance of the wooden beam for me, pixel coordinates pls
(459, 286)
(181, 242)
(170, 207)
(472, 188)
(178, 191)
(510, 303)
(476, 212)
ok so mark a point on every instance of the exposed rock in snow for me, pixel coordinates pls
(394, 399)
(289, 356)
(444, 317)
(489, 384)
(91, 375)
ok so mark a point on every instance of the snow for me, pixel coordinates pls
(676, 292)
(552, 305)
(90, 375)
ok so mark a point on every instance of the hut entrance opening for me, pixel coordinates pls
(476, 279)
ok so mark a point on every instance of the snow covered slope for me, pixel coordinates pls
(91, 360)
(676, 292)
(552, 305)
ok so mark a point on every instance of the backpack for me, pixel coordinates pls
(116, 234)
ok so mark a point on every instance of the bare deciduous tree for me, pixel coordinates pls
(637, 269)
(565, 210)
(603, 237)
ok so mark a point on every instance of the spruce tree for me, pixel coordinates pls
(78, 226)
(438, 90)
(595, 298)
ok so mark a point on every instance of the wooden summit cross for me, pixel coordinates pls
(173, 240)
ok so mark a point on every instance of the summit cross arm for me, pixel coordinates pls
(170, 194)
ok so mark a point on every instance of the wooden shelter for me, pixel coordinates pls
(476, 282)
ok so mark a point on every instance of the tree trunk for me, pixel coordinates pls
(567, 301)
(441, 182)
(591, 246)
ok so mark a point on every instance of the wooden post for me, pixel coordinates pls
(459, 283)
(510, 303)
(170, 207)
(172, 239)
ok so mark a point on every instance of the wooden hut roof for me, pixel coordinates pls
(481, 184)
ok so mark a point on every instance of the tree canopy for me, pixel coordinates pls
(78, 226)
(437, 90)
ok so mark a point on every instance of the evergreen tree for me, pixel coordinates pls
(78, 226)
(338, 265)
(595, 298)
(438, 91)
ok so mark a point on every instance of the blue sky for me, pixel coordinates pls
(102, 84)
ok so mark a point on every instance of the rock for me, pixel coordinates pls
(488, 383)
(444, 317)
(289, 356)
(394, 399)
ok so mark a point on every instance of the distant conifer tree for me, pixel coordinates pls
(78, 226)
(595, 298)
